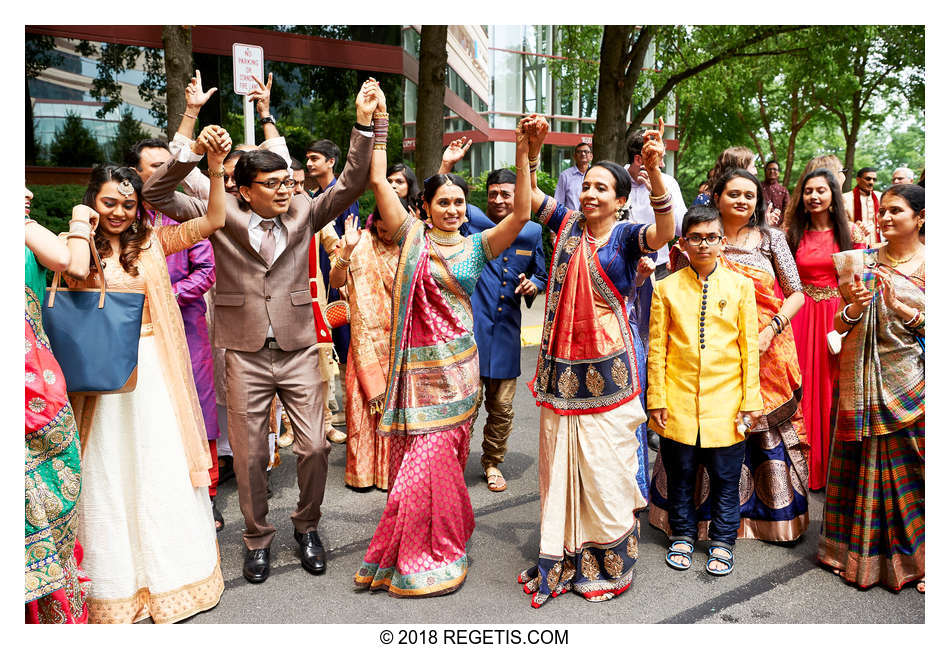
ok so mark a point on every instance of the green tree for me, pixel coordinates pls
(128, 133)
(883, 72)
(73, 145)
(681, 52)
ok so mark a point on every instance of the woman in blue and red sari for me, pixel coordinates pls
(587, 384)
(418, 549)
(873, 527)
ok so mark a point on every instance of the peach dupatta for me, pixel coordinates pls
(169, 331)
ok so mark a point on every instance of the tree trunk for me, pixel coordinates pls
(851, 139)
(613, 98)
(176, 40)
(430, 124)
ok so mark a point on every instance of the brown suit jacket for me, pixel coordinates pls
(248, 293)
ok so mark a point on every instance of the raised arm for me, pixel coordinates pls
(159, 190)
(261, 95)
(660, 233)
(344, 251)
(218, 148)
(454, 152)
(391, 211)
(535, 140)
(352, 180)
(195, 183)
(503, 235)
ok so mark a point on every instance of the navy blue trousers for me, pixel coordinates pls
(724, 466)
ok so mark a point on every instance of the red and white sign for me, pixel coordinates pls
(248, 63)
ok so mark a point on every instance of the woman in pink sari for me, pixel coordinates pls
(418, 548)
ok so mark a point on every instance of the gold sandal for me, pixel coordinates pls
(496, 481)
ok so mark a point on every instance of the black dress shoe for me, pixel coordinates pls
(653, 440)
(313, 557)
(225, 468)
(257, 565)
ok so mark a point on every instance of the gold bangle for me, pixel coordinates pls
(342, 263)
(379, 146)
(78, 235)
(381, 115)
(185, 114)
(216, 174)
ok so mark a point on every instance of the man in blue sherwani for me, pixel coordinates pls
(520, 271)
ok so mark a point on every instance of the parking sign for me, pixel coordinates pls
(248, 63)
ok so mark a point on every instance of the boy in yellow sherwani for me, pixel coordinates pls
(703, 369)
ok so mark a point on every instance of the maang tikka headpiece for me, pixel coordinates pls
(126, 188)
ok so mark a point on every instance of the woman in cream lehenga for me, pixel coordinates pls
(145, 516)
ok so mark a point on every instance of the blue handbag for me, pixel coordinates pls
(94, 334)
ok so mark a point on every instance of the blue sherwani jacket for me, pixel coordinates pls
(496, 308)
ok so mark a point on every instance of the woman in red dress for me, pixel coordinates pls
(818, 228)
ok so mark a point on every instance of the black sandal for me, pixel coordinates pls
(218, 518)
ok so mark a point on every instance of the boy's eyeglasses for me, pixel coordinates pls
(697, 239)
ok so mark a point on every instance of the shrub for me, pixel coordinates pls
(52, 205)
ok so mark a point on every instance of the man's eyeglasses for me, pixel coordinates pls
(697, 239)
(289, 183)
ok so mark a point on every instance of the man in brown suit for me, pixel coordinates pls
(265, 323)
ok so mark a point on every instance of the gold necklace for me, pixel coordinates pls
(445, 237)
(898, 262)
(598, 243)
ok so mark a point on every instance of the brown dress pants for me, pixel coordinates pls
(498, 395)
(253, 378)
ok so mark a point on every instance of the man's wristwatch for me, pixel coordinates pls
(268, 119)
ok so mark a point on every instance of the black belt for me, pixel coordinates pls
(271, 343)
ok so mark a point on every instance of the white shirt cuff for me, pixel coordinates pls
(187, 155)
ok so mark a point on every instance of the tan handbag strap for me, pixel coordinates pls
(102, 276)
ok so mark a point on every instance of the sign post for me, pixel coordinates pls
(248, 63)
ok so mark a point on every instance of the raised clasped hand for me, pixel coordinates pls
(367, 100)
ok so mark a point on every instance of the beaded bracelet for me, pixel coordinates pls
(848, 319)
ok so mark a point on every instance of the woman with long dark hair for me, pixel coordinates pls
(873, 522)
(419, 546)
(403, 180)
(146, 523)
(818, 228)
(773, 489)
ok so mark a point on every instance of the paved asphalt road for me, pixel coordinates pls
(770, 584)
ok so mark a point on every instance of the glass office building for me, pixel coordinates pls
(520, 82)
